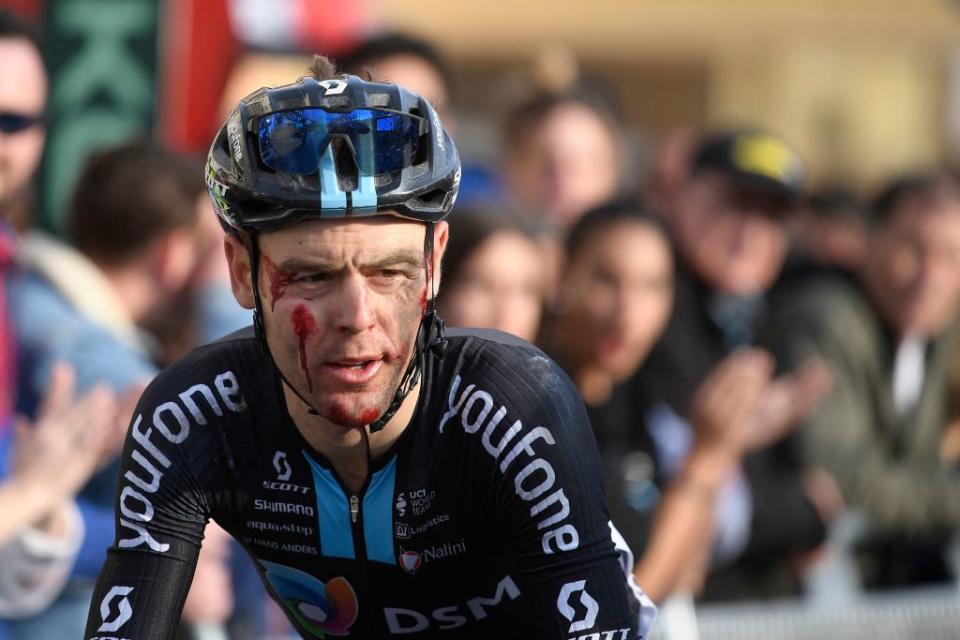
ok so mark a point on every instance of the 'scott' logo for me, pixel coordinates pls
(123, 611)
(568, 612)
(281, 466)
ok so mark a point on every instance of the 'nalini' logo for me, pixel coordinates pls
(322, 609)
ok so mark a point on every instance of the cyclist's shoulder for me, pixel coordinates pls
(511, 371)
(228, 369)
(487, 352)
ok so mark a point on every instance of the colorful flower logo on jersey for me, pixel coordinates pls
(321, 608)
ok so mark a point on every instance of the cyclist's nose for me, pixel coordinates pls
(353, 312)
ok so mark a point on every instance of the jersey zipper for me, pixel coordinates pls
(354, 508)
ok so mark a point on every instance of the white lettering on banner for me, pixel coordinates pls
(534, 479)
(402, 621)
(171, 421)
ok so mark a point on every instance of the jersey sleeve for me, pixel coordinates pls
(168, 477)
(574, 571)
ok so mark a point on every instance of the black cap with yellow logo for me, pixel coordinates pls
(755, 158)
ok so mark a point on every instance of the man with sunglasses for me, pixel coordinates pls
(389, 479)
(23, 95)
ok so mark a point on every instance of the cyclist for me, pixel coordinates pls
(387, 478)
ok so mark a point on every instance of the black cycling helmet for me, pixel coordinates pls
(335, 148)
(331, 149)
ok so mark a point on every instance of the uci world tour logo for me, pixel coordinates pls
(321, 608)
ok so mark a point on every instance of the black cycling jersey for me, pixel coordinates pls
(485, 519)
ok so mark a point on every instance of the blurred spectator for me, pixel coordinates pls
(23, 95)
(669, 167)
(23, 99)
(133, 218)
(888, 333)
(614, 303)
(615, 297)
(829, 232)
(415, 63)
(727, 222)
(42, 528)
(493, 276)
(406, 60)
(562, 156)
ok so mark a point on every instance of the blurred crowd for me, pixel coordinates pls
(772, 373)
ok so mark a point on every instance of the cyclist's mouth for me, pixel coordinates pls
(354, 371)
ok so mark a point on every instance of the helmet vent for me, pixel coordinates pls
(431, 198)
(418, 170)
(345, 163)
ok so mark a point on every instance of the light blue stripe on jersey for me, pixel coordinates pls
(331, 195)
(333, 513)
(378, 514)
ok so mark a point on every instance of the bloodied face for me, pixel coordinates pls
(342, 302)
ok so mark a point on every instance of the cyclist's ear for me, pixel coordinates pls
(238, 260)
(441, 233)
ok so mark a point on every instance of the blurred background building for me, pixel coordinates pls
(863, 88)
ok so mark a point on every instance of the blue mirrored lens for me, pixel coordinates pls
(295, 141)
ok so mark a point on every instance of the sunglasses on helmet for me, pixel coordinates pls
(296, 141)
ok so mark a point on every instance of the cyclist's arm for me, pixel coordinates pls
(160, 516)
(574, 580)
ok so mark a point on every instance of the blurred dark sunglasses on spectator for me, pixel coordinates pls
(17, 122)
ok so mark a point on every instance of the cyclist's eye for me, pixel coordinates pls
(389, 275)
(311, 278)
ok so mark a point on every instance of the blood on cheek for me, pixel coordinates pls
(304, 326)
